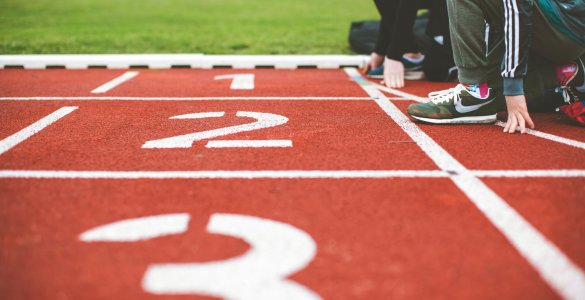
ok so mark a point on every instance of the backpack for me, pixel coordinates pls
(363, 35)
(575, 111)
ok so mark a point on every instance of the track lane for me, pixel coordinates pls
(23, 83)
(543, 255)
(202, 83)
(395, 238)
(109, 136)
(558, 124)
(555, 206)
(487, 147)
(92, 132)
(14, 116)
(175, 83)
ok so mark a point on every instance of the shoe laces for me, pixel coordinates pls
(439, 97)
(569, 95)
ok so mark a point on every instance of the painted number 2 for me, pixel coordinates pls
(263, 120)
(277, 250)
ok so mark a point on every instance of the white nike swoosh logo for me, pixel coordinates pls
(462, 109)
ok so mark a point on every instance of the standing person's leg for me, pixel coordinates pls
(471, 101)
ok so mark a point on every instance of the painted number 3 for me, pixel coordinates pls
(277, 251)
(263, 120)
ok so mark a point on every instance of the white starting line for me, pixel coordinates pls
(286, 174)
(109, 98)
(550, 137)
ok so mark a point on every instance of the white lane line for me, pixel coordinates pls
(404, 95)
(249, 144)
(114, 82)
(17, 138)
(550, 137)
(528, 173)
(564, 276)
(284, 174)
(102, 98)
(244, 174)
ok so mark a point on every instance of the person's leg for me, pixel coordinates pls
(387, 10)
(467, 27)
(438, 19)
(471, 101)
(543, 59)
(477, 61)
(467, 103)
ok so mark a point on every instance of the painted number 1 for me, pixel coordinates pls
(239, 81)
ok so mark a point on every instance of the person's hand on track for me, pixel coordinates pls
(518, 116)
(393, 73)
(376, 61)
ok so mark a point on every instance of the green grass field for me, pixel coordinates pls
(179, 26)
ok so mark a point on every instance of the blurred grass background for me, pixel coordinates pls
(179, 26)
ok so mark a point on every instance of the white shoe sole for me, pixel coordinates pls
(462, 120)
(414, 75)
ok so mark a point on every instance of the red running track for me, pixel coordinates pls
(375, 238)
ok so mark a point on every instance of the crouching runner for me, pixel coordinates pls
(494, 43)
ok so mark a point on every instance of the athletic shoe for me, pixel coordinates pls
(377, 73)
(412, 70)
(458, 105)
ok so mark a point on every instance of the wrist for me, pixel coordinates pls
(513, 86)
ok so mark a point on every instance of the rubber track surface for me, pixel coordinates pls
(376, 238)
